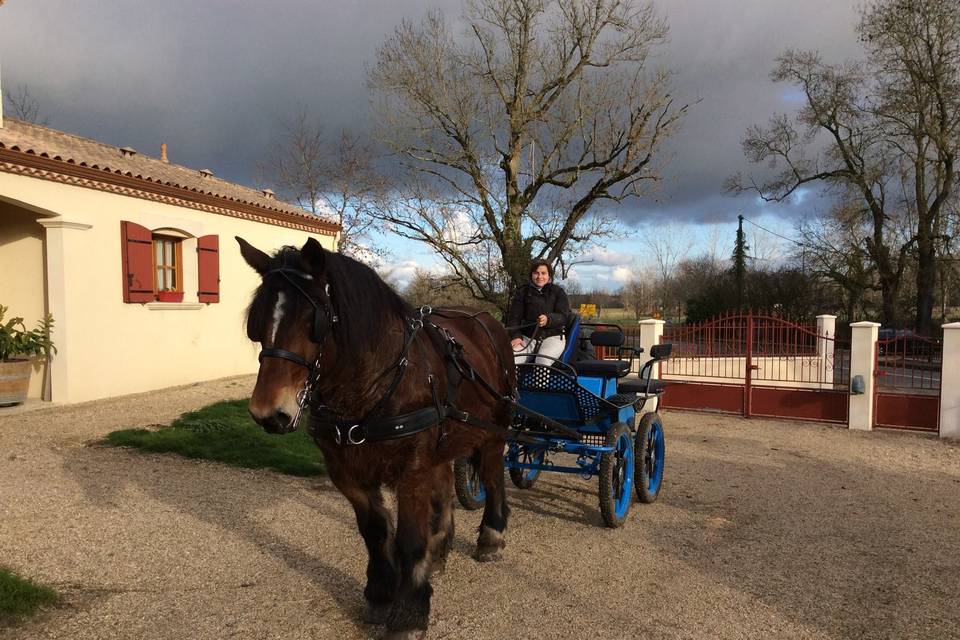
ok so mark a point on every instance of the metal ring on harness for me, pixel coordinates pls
(350, 436)
(336, 434)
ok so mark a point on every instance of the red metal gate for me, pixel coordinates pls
(907, 390)
(757, 365)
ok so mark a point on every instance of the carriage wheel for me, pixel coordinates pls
(616, 476)
(650, 457)
(469, 487)
(524, 478)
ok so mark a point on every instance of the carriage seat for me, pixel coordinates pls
(602, 368)
(639, 385)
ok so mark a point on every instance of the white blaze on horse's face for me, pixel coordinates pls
(277, 316)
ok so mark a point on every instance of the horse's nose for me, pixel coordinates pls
(277, 422)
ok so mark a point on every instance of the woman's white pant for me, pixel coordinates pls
(552, 346)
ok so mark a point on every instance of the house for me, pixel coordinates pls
(135, 258)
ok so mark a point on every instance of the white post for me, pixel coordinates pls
(950, 382)
(651, 330)
(60, 368)
(863, 344)
(826, 341)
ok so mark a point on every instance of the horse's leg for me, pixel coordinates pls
(441, 523)
(410, 613)
(376, 526)
(494, 522)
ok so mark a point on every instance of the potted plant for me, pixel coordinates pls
(17, 347)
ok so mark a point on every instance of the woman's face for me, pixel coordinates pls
(540, 276)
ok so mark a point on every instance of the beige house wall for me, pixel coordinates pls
(107, 347)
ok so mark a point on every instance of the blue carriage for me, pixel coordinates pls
(592, 410)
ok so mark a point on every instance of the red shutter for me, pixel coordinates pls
(136, 247)
(208, 268)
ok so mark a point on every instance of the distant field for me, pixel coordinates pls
(617, 316)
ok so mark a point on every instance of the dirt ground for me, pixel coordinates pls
(763, 530)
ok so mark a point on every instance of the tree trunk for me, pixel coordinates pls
(926, 285)
(890, 293)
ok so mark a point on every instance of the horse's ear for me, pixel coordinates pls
(313, 255)
(254, 257)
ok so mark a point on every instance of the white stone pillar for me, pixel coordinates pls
(950, 382)
(826, 342)
(57, 379)
(863, 361)
(651, 330)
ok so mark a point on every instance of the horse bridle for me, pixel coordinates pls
(313, 375)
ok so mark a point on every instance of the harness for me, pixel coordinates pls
(372, 427)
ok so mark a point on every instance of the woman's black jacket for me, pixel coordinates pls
(529, 303)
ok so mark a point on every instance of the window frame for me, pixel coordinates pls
(177, 267)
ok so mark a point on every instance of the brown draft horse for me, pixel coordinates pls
(337, 338)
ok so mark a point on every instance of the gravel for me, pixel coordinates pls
(763, 529)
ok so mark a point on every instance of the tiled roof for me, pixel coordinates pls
(74, 151)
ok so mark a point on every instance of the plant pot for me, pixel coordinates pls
(14, 381)
(170, 296)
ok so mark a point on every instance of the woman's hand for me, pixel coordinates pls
(516, 343)
(542, 320)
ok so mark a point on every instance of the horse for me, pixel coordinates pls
(394, 395)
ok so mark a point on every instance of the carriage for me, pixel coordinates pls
(591, 410)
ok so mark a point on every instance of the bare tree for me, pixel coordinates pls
(640, 295)
(332, 179)
(833, 249)
(891, 126)
(545, 110)
(669, 243)
(24, 106)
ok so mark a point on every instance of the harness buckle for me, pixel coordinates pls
(416, 323)
(350, 436)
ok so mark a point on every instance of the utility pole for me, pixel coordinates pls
(740, 261)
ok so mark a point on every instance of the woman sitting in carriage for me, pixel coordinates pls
(538, 314)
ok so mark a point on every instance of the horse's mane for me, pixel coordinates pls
(367, 307)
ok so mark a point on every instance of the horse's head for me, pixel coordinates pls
(291, 316)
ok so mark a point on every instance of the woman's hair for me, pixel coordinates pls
(536, 264)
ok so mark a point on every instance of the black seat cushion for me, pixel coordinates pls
(602, 368)
(639, 385)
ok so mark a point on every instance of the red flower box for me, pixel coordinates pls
(170, 296)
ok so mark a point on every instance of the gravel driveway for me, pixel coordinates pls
(763, 530)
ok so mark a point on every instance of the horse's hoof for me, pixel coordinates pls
(409, 634)
(375, 614)
(489, 554)
(438, 569)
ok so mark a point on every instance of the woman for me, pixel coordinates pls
(538, 315)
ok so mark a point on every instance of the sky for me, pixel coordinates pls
(213, 78)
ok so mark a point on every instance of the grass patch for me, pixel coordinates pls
(225, 432)
(20, 597)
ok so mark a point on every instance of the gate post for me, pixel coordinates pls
(863, 362)
(826, 340)
(651, 331)
(950, 382)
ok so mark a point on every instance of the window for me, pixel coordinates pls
(168, 264)
(154, 268)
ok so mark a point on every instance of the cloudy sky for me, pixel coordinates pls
(211, 78)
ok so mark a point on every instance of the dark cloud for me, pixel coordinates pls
(211, 78)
